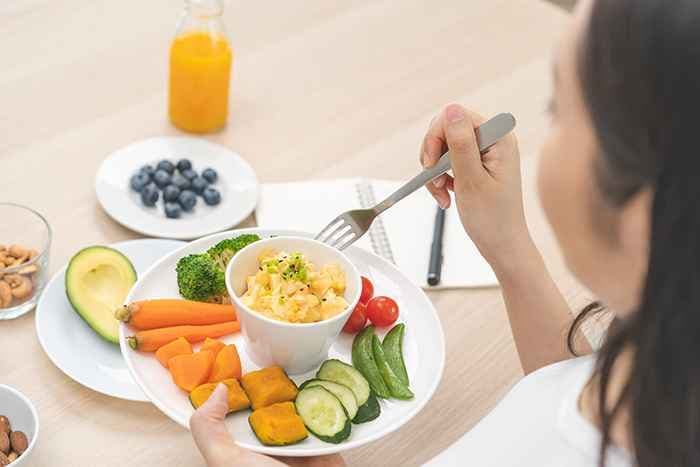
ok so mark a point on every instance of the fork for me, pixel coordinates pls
(348, 227)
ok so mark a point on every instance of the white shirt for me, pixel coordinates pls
(538, 423)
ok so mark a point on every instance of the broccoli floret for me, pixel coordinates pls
(199, 278)
(223, 251)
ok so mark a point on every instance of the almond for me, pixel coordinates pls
(4, 460)
(5, 424)
(4, 443)
(19, 442)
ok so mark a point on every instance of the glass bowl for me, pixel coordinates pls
(25, 240)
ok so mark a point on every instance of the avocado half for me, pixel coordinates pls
(98, 279)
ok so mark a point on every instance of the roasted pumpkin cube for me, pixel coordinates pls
(268, 386)
(237, 398)
(278, 424)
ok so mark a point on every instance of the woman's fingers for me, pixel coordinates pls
(432, 149)
(441, 195)
(464, 149)
(209, 431)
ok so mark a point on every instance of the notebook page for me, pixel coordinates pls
(409, 227)
(307, 206)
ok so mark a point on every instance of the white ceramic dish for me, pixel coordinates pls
(23, 417)
(296, 347)
(237, 183)
(424, 351)
(74, 347)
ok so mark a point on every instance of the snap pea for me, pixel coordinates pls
(396, 387)
(363, 360)
(393, 351)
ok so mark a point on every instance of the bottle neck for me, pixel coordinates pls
(204, 9)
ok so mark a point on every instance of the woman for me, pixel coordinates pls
(620, 184)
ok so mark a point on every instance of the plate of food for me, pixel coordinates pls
(321, 350)
(74, 316)
(176, 187)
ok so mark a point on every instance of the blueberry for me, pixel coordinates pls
(148, 170)
(181, 182)
(189, 174)
(211, 196)
(184, 164)
(162, 178)
(172, 210)
(149, 195)
(170, 193)
(187, 200)
(210, 175)
(199, 184)
(138, 181)
(166, 165)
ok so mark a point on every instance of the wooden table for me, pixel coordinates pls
(320, 89)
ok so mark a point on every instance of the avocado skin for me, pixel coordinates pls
(73, 295)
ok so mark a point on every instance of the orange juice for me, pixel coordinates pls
(200, 68)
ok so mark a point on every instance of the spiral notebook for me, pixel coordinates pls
(401, 235)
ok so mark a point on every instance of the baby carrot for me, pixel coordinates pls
(152, 339)
(165, 312)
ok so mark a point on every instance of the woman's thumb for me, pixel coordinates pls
(209, 430)
(461, 141)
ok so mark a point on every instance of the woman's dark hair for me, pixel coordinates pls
(639, 67)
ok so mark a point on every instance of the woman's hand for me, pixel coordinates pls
(487, 188)
(219, 450)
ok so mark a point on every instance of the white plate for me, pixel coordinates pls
(237, 184)
(74, 347)
(424, 351)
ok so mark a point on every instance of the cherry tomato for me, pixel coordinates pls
(367, 290)
(357, 319)
(382, 311)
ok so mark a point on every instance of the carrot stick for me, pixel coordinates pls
(165, 312)
(152, 339)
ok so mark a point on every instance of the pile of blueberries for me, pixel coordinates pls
(180, 189)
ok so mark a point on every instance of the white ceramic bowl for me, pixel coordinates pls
(23, 417)
(296, 347)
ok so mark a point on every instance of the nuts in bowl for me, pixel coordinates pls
(19, 427)
(23, 260)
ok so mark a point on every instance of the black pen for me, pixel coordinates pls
(435, 263)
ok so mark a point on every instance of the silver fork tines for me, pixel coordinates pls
(352, 225)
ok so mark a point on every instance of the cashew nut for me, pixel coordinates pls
(21, 286)
(28, 270)
(5, 294)
(2, 247)
(18, 251)
(33, 254)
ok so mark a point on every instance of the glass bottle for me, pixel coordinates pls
(200, 68)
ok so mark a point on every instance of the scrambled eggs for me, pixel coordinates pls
(287, 287)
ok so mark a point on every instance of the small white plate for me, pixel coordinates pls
(74, 347)
(237, 183)
(424, 351)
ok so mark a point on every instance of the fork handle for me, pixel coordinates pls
(487, 135)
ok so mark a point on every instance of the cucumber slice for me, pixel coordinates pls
(342, 392)
(323, 414)
(342, 373)
(367, 411)
(393, 351)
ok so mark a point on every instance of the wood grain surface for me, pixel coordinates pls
(320, 89)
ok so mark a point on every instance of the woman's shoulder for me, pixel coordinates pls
(536, 421)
